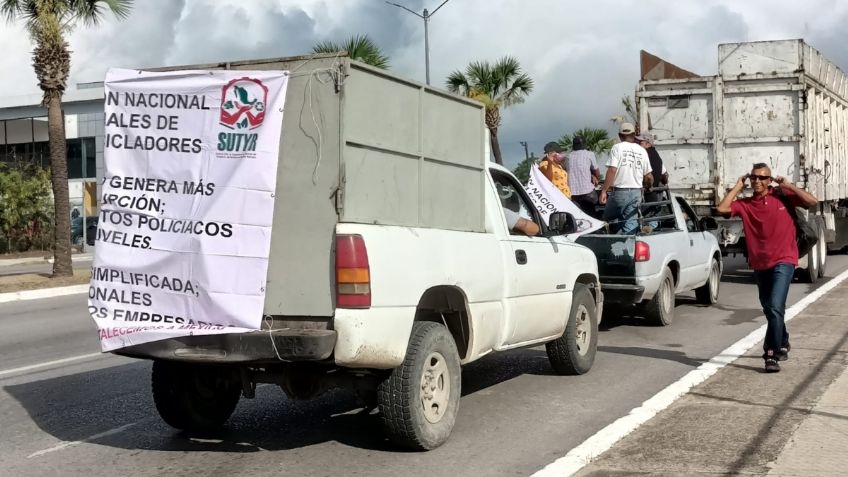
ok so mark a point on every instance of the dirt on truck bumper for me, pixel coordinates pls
(248, 348)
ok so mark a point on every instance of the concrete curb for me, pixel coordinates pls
(10, 262)
(43, 293)
(83, 257)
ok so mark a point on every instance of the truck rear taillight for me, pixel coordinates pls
(353, 274)
(643, 252)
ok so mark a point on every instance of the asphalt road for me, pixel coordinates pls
(95, 416)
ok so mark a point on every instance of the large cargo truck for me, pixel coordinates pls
(777, 102)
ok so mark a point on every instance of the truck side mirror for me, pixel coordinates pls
(709, 223)
(561, 223)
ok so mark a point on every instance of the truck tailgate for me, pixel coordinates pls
(615, 256)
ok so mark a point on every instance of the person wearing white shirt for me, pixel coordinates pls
(628, 170)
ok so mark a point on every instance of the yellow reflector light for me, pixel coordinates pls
(352, 275)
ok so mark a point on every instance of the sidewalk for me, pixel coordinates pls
(743, 421)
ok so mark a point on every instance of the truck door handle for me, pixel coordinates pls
(691, 243)
(521, 257)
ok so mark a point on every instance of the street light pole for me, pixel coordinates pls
(427, 45)
(426, 17)
(526, 152)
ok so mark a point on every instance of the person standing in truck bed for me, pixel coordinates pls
(583, 176)
(628, 170)
(659, 173)
(551, 167)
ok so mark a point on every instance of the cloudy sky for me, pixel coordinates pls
(583, 55)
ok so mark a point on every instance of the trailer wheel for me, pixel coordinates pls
(574, 352)
(708, 293)
(194, 397)
(822, 246)
(659, 310)
(811, 273)
(420, 398)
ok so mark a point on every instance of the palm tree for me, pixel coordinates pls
(497, 85)
(48, 22)
(596, 140)
(630, 113)
(359, 47)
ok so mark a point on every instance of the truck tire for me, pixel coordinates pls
(811, 273)
(708, 293)
(194, 397)
(573, 353)
(419, 400)
(659, 310)
(822, 246)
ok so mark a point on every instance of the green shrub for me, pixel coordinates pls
(26, 209)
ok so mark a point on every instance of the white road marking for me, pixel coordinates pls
(49, 363)
(603, 440)
(64, 445)
(43, 293)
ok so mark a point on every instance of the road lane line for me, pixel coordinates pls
(49, 363)
(603, 440)
(66, 444)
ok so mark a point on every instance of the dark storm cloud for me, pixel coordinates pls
(584, 88)
(141, 41)
(215, 31)
(583, 56)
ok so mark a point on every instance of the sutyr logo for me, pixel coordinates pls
(243, 103)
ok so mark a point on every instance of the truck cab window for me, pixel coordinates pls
(512, 201)
(689, 216)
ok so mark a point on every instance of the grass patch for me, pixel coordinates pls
(36, 281)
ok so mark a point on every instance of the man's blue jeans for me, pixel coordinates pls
(773, 285)
(623, 206)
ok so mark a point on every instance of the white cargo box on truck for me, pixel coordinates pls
(355, 141)
(777, 102)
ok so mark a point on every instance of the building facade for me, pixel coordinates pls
(23, 140)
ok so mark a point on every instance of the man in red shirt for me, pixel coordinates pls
(772, 250)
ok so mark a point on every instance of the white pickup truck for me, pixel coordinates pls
(391, 263)
(679, 254)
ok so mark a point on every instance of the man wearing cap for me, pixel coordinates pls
(628, 170)
(551, 167)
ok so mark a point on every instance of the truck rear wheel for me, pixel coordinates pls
(194, 397)
(419, 401)
(822, 246)
(811, 273)
(708, 293)
(660, 309)
(574, 352)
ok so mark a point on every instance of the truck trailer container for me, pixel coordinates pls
(777, 102)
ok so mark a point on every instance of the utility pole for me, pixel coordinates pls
(426, 17)
(526, 152)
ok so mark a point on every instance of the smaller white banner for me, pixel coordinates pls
(548, 199)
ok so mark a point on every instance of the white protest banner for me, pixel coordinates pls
(187, 202)
(548, 199)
